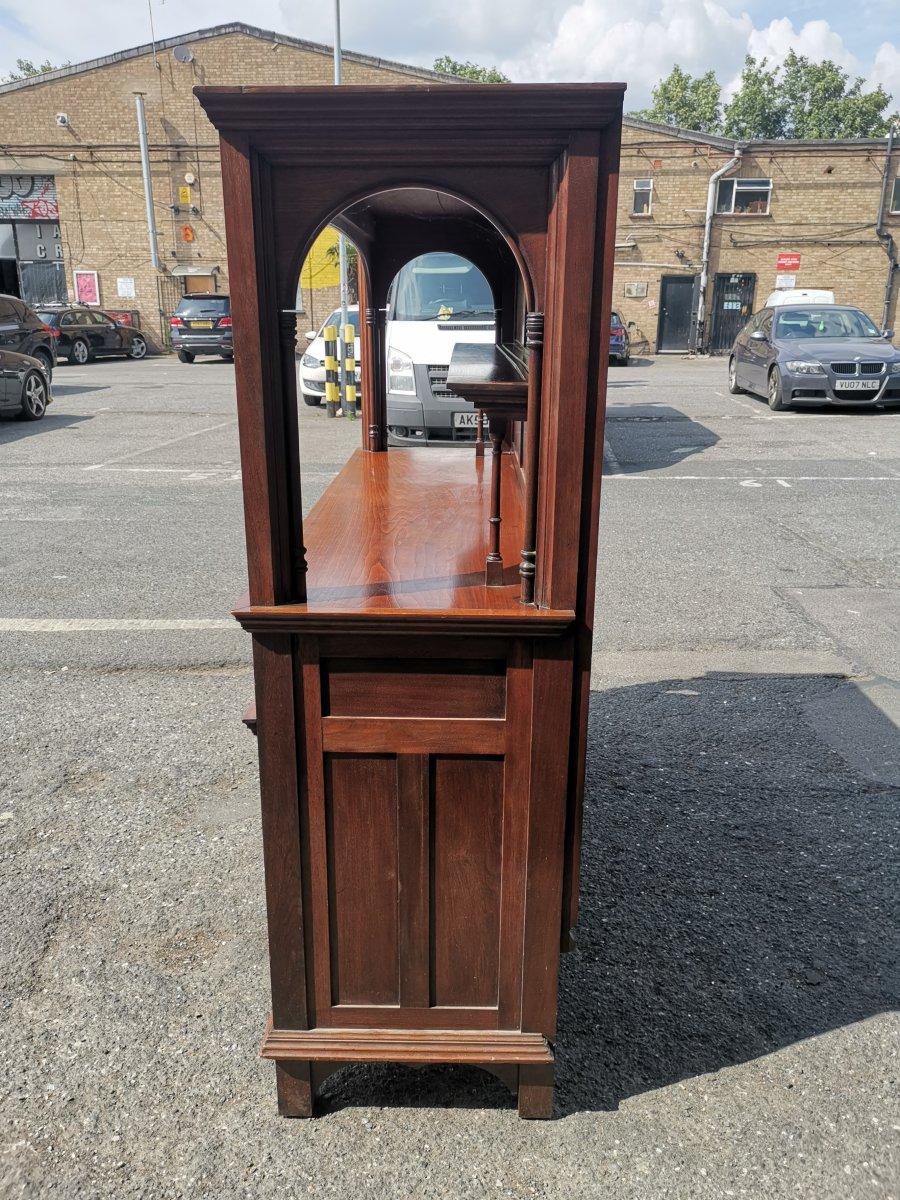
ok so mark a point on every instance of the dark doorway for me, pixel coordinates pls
(676, 304)
(9, 277)
(732, 306)
(43, 283)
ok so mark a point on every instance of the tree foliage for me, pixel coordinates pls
(687, 101)
(469, 70)
(25, 68)
(796, 99)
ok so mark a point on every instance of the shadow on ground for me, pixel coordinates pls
(13, 429)
(737, 883)
(651, 437)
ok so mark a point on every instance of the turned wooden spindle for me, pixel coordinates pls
(534, 344)
(493, 566)
(479, 435)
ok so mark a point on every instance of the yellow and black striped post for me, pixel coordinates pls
(332, 371)
(350, 372)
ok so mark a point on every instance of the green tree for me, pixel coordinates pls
(333, 255)
(759, 108)
(691, 102)
(25, 68)
(469, 70)
(822, 102)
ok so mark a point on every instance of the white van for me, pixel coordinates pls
(799, 296)
(436, 300)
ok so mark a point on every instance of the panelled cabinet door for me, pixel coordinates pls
(415, 841)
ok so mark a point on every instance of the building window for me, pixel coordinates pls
(895, 199)
(747, 196)
(643, 197)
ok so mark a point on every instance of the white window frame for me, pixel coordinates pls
(895, 196)
(648, 181)
(744, 185)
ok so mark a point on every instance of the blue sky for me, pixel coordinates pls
(634, 40)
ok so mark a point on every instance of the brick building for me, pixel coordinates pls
(73, 220)
(72, 204)
(785, 213)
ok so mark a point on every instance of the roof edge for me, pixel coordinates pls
(730, 144)
(199, 35)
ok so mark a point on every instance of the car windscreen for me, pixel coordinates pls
(335, 320)
(202, 306)
(824, 323)
(438, 287)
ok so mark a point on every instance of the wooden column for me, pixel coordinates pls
(493, 567)
(479, 435)
(534, 344)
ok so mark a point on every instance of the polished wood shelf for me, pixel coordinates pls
(492, 377)
(402, 535)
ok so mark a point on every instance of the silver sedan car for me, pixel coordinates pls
(816, 354)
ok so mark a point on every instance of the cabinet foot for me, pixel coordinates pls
(536, 1091)
(296, 1092)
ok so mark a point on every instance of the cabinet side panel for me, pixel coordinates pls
(466, 840)
(361, 818)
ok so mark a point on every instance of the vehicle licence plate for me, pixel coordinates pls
(201, 324)
(465, 420)
(857, 385)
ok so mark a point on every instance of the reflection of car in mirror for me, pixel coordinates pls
(816, 354)
(311, 372)
(435, 301)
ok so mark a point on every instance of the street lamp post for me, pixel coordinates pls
(342, 242)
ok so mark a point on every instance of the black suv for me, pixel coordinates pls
(201, 324)
(23, 332)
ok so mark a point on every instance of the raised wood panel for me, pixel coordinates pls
(407, 687)
(361, 813)
(466, 841)
(414, 735)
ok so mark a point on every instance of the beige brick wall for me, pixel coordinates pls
(97, 164)
(824, 206)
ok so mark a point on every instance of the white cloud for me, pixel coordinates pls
(637, 41)
(886, 71)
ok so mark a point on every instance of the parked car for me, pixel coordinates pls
(619, 341)
(822, 354)
(24, 384)
(311, 371)
(23, 331)
(84, 333)
(786, 296)
(201, 324)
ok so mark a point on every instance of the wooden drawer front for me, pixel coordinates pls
(391, 687)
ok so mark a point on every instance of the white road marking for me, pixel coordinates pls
(110, 625)
(759, 480)
(159, 446)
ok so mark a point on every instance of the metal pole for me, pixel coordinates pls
(700, 336)
(345, 351)
(148, 181)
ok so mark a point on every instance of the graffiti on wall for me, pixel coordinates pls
(28, 198)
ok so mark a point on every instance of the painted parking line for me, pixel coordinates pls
(752, 481)
(112, 625)
(120, 458)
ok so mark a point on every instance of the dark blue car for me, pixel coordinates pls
(619, 341)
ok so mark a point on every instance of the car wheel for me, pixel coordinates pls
(228, 357)
(775, 391)
(45, 360)
(138, 348)
(80, 352)
(733, 386)
(312, 400)
(185, 356)
(34, 396)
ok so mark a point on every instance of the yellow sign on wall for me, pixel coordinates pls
(184, 195)
(322, 269)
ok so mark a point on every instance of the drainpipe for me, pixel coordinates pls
(148, 182)
(890, 246)
(707, 238)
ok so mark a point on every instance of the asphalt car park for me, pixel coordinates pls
(727, 1019)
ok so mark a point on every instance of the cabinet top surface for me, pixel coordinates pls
(407, 530)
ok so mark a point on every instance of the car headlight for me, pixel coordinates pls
(310, 360)
(805, 367)
(895, 368)
(400, 377)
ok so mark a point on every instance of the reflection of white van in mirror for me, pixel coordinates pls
(435, 301)
(799, 296)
